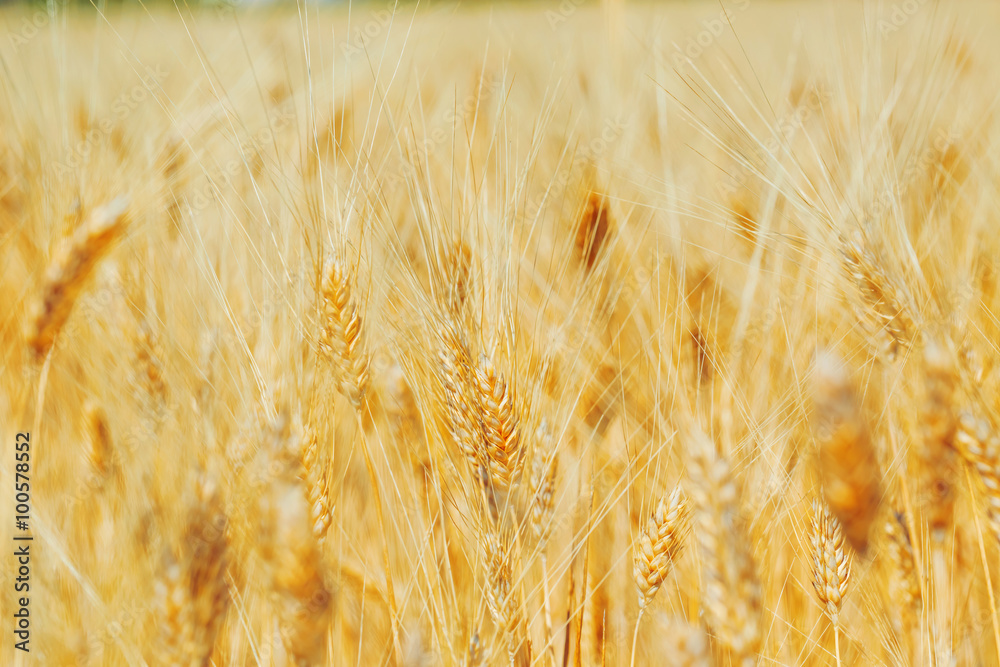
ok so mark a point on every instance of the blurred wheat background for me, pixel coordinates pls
(556, 334)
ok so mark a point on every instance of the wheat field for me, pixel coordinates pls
(448, 334)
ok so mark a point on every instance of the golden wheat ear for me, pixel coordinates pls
(192, 596)
(455, 379)
(342, 336)
(69, 271)
(317, 486)
(659, 545)
(831, 567)
(499, 421)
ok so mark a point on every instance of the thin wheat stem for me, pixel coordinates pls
(386, 562)
(635, 635)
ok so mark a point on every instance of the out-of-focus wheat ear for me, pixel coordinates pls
(455, 374)
(687, 645)
(936, 450)
(458, 272)
(342, 335)
(979, 446)
(542, 486)
(100, 450)
(291, 553)
(207, 544)
(317, 489)
(478, 653)
(888, 304)
(831, 567)
(192, 596)
(848, 467)
(175, 643)
(593, 229)
(659, 545)
(905, 586)
(731, 591)
(69, 270)
(502, 593)
(149, 360)
(544, 468)
(498, 419)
